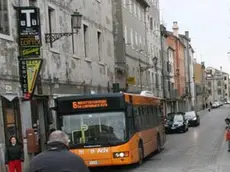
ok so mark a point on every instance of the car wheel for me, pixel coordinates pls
(141, 154)
(184, 129)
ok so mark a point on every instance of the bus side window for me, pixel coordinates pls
(137, 119)
(154, 116)
(150, 117)
(130, 120)
(159, 115)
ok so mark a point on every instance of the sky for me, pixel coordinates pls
(208, 23)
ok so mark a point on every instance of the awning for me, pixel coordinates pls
(9, 97)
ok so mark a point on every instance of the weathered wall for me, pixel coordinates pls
(65, 66)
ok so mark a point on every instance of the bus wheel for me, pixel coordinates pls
(158, 144)
(141, 154)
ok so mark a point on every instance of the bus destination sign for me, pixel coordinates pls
(92, 103)
(86, 104)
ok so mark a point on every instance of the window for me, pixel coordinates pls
(151, 23)
(135, 8)
(225, 78)
(225, 86)
(131, 37)
(136, 39)
(52, 21)
(219, 91)
(209, 84)
(125, 34)
(140, 41)
(219, 83)
(138, 12)
(99, 42)
(156, 78)
(86, 40)
(4, 18)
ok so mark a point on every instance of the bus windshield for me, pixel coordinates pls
(95, 128)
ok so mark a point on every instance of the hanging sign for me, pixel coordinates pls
(29, 70)
(29, 31)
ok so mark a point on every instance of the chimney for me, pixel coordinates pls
(175, 28)
(187, 34)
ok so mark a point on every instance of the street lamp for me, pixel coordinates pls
(76, 20)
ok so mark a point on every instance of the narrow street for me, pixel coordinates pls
(201, 149)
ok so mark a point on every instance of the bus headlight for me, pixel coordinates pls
(120, 154)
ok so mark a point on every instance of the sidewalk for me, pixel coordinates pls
(223, 161)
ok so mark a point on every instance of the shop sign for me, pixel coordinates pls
(29, 70)
(29, 31)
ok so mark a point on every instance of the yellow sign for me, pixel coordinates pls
(131, 80)
(33, 68)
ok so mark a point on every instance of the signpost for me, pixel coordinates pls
(29, 36)
(29, 69)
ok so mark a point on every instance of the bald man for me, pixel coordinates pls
(57, 157)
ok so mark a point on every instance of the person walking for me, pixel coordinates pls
(57, 157)
(14, 155)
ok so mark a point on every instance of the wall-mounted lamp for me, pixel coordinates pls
(76, 21)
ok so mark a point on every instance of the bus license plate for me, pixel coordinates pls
(93, 162)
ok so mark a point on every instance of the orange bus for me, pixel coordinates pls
(113, 128)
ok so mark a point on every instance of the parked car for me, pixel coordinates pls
(176, 122)
(216, 104)
(193, 118)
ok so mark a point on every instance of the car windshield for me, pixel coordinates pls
(178, 118)
(95, 128)
(189, 115)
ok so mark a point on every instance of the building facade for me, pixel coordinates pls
(130, 43)
(178, 46)
(217, 83)
(189, 82)
(199, 79)
(155, 46)
(77, 64)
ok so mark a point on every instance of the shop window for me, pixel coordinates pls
(12, 119)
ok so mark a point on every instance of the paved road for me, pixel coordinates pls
(202, 149)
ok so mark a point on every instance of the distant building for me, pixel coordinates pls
(217, 84)
(199, 80)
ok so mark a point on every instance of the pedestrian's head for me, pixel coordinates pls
(13, 140)
(59, 136)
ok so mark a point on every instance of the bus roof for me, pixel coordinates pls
(89, 96)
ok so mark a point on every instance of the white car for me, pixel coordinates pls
(216, 105)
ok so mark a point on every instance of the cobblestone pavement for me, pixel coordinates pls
(202, 149)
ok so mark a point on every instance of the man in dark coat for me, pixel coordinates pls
(57, 157)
